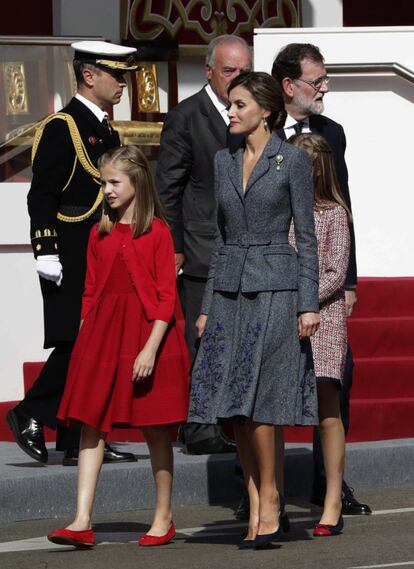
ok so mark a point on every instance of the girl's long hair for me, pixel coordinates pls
(131, 161)
(325, 180)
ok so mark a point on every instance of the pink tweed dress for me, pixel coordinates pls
(329, 344)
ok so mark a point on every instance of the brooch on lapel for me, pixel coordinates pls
(279, 160)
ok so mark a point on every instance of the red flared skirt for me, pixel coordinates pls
(99, 388)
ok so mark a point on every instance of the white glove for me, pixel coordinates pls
(49, 268)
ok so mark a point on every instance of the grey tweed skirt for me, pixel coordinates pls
(252, 364)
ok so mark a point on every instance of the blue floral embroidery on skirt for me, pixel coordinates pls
(244, 371)
(208, 371)
(308, 392)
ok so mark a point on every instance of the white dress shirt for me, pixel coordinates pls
(97, 111)
(221, 107)
(290, 121)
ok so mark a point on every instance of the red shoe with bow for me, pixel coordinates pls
(327, 530)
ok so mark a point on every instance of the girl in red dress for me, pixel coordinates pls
(130, 364)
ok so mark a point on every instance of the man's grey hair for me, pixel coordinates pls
(212, 46)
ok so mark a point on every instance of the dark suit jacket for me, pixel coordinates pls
(193, 132)
(52, 168)
(335, 136)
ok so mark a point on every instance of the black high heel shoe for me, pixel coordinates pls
(264, 540)
(284, 521)
(247, 544)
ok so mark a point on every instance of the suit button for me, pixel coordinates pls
(244, 240)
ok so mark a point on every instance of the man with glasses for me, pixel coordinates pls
(193, 132)
(300, 70)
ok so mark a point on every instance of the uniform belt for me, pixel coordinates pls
(247, 239)
(76, 210)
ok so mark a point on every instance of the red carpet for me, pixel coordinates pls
(382, 339)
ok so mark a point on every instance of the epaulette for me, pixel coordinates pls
(80, 154)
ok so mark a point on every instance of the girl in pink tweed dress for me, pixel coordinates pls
(329, 344)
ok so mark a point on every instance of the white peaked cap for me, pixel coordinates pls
(105, 54)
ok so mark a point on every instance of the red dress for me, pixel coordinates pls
(99, 388)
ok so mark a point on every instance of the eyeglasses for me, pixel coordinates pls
(317, 84)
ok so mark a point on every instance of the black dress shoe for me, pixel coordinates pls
(350, 505)
(28, 434)
(70, 456)
(214, 445)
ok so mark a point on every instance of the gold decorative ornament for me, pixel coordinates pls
(81, 155)
(147, 85)
(129, 65)
(207, 18)
(16, 90)
(141, 133)
(39, 234)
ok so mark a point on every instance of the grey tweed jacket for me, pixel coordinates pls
(252, 253)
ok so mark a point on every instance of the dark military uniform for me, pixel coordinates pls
(64, 203)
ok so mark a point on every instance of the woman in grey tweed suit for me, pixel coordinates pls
(261, 297)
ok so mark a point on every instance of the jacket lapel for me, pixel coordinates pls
(263, 164)
(217, 127)
(316, 124)
(281, 133)
(96, 128)
(236, 171)
(216, 124)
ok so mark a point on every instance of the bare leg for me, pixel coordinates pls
(91, 450)
(263, 438)
(333, 446)
(280, 460)
(242, 433)
(160, 448)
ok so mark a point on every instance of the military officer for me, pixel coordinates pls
(64, 202)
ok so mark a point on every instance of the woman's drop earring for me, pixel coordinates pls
(265, 123)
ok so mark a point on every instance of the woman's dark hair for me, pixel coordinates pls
(266, 92)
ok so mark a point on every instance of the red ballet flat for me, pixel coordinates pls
(150, 540)
(81, 539)
(327, 530)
